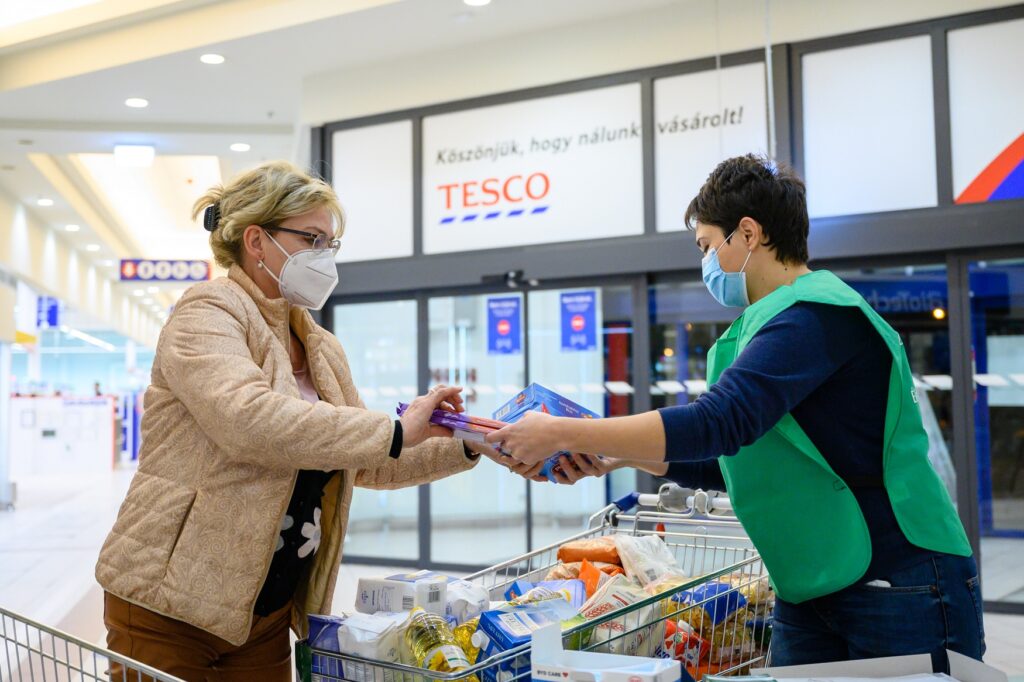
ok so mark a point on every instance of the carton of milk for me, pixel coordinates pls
(403, 593)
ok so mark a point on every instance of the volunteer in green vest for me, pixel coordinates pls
(811, 422)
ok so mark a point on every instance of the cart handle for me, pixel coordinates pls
(673, 498)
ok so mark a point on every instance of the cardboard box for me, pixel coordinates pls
(576, 589)
(403, 593)
(536, 398)
(961, 668)
(551, 663)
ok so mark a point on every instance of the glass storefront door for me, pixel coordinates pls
(915, 301)
(997, 334)
(380, 342)
(477, 342)
(581, 346)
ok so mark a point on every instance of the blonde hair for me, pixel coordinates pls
(266, 195)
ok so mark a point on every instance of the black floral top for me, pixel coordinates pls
(297, 544)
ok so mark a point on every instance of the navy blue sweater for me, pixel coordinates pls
(828, 367)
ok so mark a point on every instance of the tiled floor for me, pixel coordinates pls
(48, 549)
(1002, 566)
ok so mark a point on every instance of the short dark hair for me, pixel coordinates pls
(753, 186)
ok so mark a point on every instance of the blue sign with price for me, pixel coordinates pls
(504, 325)
(579, 321)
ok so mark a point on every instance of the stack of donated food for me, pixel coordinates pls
(441, 623)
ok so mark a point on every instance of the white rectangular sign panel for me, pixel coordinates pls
(869, 128)
(701, 119)
(555, 169)
(986, 111)
(373, 176)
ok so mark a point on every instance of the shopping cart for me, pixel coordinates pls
(33, 652)
(722, 614)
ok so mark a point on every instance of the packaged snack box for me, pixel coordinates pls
(536, 398)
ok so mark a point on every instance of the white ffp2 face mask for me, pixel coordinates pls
(307, 277)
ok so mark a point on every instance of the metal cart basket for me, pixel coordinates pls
(32, 652)
(717, 622)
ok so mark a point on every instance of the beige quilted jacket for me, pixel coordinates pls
(224, 435)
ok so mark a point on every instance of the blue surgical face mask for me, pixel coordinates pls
(728, 288)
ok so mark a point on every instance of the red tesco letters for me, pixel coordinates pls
(513, 189)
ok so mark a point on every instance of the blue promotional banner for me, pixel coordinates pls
(47, 312)
(902, 296)
(579, 321)
(504, 325)
(139, 270)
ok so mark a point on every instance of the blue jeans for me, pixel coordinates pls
(930, 607)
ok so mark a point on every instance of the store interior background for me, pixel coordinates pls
(70, 211)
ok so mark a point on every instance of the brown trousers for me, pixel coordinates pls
(185, 651)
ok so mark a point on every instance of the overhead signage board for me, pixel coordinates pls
(554, 169)
(986, 111)
(701, 119)
(869, 128)
(372, 172)
(140, 270)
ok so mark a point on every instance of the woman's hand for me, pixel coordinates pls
(416, 426)
(531, 440)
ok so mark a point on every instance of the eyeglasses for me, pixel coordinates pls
(318, 240)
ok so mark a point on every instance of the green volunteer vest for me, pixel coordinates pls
(803, 519)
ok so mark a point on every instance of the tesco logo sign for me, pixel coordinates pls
(511, 191)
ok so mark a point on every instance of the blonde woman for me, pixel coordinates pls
(253, 438)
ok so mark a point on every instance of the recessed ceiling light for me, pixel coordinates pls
(44, 202)
(212, 58)
(136, 102)
(147, 301)
(92, 248)
(72, 228)
(138, 293)
(240, 147)
(107, 263)
(153, 290)
(477, 3)
(134, 155)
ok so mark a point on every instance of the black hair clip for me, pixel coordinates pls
(211, 217)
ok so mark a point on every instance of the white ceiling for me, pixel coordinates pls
(197, 111)
(261, 81)
(155, 203)
(66, 129)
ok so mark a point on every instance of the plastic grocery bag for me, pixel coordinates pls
(628, 634)
(647, 558)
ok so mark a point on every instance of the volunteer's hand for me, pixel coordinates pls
(576, 467)
(416, 426)
(531, 440)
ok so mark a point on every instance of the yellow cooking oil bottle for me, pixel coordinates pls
(464, 636)
(433, 644)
